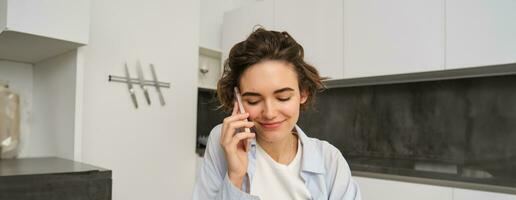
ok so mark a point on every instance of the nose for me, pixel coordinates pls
(269, 111)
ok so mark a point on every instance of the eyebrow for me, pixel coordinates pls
(275, 92)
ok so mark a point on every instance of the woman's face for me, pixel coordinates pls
(271, 96)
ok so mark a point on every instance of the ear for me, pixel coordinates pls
(304, 96)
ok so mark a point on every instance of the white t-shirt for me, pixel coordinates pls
(273, 180)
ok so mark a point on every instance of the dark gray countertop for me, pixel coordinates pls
(48, 165)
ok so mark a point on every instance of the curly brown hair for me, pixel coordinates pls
(264, 45)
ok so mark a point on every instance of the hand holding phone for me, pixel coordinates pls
(235, 142)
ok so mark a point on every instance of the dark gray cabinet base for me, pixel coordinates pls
(53, 179)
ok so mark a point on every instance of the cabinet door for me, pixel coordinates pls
(462, 194)
(480, 32)
(392, 37)
(317, 26)
(33, 31)
(239, 23)
(378, 189)
(59, 19)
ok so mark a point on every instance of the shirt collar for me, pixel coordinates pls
(312, 156)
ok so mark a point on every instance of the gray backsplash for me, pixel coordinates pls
(461, 121)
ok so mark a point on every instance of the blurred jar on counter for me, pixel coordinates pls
(9, 122)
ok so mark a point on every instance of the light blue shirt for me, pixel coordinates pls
(323, 168)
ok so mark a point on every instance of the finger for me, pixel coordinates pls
(237, 117)
(232, 128)
(241, 136)
(232, 118)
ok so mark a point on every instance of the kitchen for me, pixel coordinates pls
(405, 53)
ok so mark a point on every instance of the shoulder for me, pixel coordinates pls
(326, 149)
(214, 155)
(213, 149)
(331, 157)
(216, 132)
(214, 139)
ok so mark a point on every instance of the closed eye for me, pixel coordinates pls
(252, 102)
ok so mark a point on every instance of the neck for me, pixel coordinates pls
(283, 151)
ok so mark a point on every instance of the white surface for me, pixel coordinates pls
(211, 15)
(3, 14)
(59, 19)
(480, 32)
(20, 77)
(378, 189)
(462, 194)
(239, 23)
(392, 37)
(54, 107)
(213, 64)
(318, 27)
(151, 150)
(21, 47)
(79, 100)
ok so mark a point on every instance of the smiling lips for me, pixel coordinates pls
(271, 125)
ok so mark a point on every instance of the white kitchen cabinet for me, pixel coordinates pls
(239, 23)
(317, 26)
(463, 194)
(480, 33)
(379, 189)
(31, 31)
(393, 37)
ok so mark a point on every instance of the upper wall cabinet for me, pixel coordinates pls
(239, 23)
(393, 37)
(480, 32)
(317, 26)
(31, 31)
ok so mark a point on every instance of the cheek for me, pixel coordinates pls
(253, 111)
(290, 109)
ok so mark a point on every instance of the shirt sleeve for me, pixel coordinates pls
(213, 181)
(343, 186)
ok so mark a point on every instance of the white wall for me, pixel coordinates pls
(54, 107)
(151, 150)
(3, 14)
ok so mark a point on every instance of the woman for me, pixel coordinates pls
(280, 162)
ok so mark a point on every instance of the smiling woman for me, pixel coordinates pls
(282, 161)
